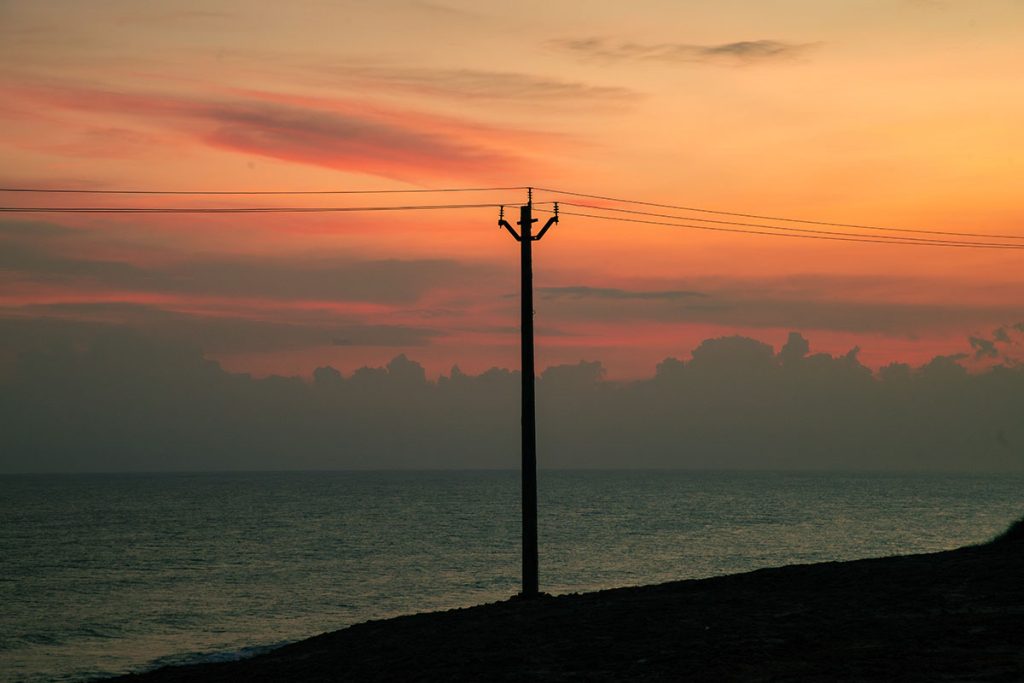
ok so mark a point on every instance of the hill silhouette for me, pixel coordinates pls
(953, 615)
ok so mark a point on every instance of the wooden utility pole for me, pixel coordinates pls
(526, 238)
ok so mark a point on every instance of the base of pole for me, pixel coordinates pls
(530, 596)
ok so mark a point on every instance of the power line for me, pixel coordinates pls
(776, 227)
(228, 210)
(256, 192)
(760, 228)
(773, 218)
(450, 190)
(866, 239)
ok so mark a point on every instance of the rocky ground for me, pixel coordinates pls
(950, 616)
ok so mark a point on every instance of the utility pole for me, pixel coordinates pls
(526, 238)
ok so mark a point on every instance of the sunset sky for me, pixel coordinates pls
(887, 112)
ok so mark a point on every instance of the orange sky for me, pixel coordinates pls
(902, 112)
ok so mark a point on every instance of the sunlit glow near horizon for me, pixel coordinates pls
(884, 113)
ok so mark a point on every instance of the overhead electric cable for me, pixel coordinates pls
(760, 225)
(852, 238)
(760, 228)
(254, 209)
(257, 192)
(776, 218)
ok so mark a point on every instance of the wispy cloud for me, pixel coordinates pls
(344, 141)
(32, 230)
(339, 134)
(141, 16)
(770, 304)
(480, 85)
(583, 292)
(738, 53)
(32, 325)
(337, 278)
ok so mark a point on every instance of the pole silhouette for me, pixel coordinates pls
(526, 238)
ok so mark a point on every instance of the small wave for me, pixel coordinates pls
(105, 631)
(186, 658)
(11, 642)
(40, 639)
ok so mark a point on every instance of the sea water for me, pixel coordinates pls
(103, 574)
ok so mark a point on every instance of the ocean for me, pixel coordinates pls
(110, 573)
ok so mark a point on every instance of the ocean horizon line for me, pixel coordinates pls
(456, 470)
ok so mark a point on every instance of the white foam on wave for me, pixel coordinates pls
(214, 657)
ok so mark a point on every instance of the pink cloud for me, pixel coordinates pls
(339, 134)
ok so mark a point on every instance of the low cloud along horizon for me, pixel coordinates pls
(122, 401)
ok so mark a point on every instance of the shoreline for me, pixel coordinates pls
(950, 615)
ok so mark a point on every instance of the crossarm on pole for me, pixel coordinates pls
(512, 231)
(551, 221)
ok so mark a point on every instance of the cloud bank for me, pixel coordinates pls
(122, 401)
